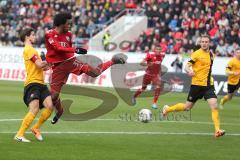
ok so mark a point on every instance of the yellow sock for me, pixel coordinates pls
(25, 124)
(215, 118)
(46, 113)
(176, 108)
(224, 100)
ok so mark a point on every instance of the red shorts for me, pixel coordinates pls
(61, 71)
(154, 79)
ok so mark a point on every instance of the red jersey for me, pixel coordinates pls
(59, 46)
(156, 60)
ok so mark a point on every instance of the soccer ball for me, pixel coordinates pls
(145, 115)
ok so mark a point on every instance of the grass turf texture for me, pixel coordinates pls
(109, 137)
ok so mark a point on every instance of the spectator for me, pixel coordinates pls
(221, 49)
(185, 20)
(106, 39)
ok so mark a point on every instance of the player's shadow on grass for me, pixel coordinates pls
(109, 102)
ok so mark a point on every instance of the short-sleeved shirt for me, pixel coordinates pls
(59, 46)
(156, 60)
(202, 62)
(34, 74)
(234, 66)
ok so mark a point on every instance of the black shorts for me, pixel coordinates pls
(35, 91)
(233, 88)
(198, 92)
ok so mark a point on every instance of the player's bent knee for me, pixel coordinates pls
(34, 107)
(48, 103)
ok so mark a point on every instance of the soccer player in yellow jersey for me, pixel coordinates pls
(199, 68)
(36, 94)
(233, 72)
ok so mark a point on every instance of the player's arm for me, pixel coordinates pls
(39, 63)
(229, 70)
(188, 68)
(146, 61)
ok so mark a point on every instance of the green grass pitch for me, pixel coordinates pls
(115, 136)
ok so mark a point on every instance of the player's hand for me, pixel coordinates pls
(191, 73)
(43, 57)
(236, 73)
(150, 64)
(47, 66)
(81, 50)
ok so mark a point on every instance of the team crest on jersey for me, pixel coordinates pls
(50, 40)
(68, 39)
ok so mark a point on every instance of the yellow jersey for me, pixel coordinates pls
(202, 62)
(233, 66)
(34, 74)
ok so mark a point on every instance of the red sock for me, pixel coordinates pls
(138, 92)
(156, 95)
(58, 107)
(102, 67)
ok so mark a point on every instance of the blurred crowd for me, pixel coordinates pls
(177, 24)
(174, 24)
(38, 14)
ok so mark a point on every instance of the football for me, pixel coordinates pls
(145, 115)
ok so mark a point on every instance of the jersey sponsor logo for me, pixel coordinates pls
(32, 95)
(50, 40)
(68, 38)
(63, 44)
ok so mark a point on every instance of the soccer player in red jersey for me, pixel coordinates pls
(153, 62)
(60, 54)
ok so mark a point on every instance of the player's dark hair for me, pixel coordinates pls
(61, 18)
(25, 32)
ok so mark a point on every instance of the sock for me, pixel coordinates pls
(58, 107)
(138, 92)
(215, 118)
(102, 67)
(176, 108)
(156, 95)
(46, 113)
(224, 99)
(25, 124)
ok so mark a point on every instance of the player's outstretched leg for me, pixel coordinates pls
(175, 108)
(116, 59)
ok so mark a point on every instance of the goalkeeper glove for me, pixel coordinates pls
(43, 57)
(81, 50)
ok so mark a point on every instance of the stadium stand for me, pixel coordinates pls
(175, 24)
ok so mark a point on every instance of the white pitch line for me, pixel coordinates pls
(157, 121)
(130, 133)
